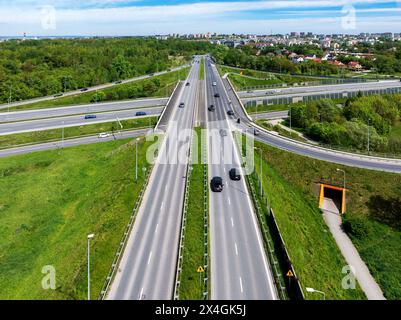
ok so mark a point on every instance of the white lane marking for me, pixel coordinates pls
(140, 295)
(161, 207)
(240, 283)
(236, 249)
(157, 226)
(232, 222)
(150, 257)
(229, 201)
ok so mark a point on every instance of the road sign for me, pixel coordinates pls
(200, 269)
(290, 274)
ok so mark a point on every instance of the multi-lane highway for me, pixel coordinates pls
(80, 109)
(148, 266)
(324, 89)
(70, 143)
(73, 121)
(348, 159)
(91, 89)
(239, 266)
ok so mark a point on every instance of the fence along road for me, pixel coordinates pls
(239, 266)
(147, 268)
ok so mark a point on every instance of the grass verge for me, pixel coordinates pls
(191, 286)
(158, 86)
(372, 220)
(12, 140)
(50, 201)
(202, 70)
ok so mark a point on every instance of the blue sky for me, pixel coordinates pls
(144, 17)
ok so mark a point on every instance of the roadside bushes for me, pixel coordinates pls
(349, 126)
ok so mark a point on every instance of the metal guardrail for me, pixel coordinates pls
(123, 242)
(206, 255)
(278, 276)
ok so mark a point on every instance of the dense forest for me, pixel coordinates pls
(34, 68)
(349, 125)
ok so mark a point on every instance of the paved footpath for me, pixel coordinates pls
(368, 284)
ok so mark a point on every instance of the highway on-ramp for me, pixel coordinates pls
(148, 266)
(34, 114)
(239, 266)
(74, 121)
(316, 152)
(322, 89)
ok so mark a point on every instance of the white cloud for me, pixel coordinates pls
(163, 18)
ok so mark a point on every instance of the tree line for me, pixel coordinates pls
(35, 68)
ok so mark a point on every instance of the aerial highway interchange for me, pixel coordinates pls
(239, 265)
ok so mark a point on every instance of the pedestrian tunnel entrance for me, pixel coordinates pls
(334, 194)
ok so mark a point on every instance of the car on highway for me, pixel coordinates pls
(118, 82)
(211, 107)
(214, 83)
(182, 105)
(84, 89)
(223, 132)
(217, 95)
(140, 113)
(58, 95)
(90, 116)
(255, 132)
(235, 174)
(104, 135)
(188, 84)
(216, 184)
(230, 112)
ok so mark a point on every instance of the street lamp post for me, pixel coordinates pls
(136, 159)
(317, 291)
(368, 135)
(90, 236)
(341, 170)
(261, 170)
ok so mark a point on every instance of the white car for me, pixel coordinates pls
(104, 135)
(214, 84)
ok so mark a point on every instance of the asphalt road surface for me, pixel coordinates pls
(148, 266)
(70, 143)
(73, 121)
(92, 89)
(304, 91)
(79, 109)
(239, 266)
(316, 152)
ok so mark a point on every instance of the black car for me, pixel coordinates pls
(230, 112)
(119, 82)
(216, 184)
(211, 107)
(188, 84)
(140, 113)
(235, 174)
(84, 89)
(217, 95)
(182, 105)
(58, 95)
(90, 116)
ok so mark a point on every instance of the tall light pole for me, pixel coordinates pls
(341, 170)
(317, 291)
(136, 159)
(90, 236)
(261, 168)
(368, 136)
